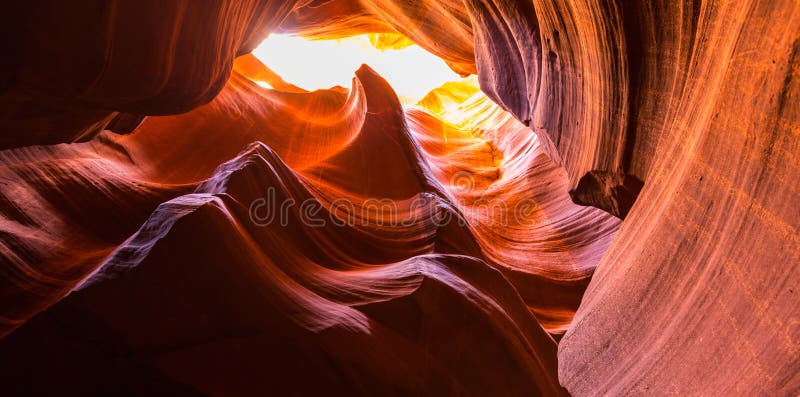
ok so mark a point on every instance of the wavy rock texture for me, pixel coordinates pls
(427, 291)
(137, 258)
(494, 167)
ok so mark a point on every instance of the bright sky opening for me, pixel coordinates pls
(317, 64)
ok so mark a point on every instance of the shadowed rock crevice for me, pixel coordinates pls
(613, 192)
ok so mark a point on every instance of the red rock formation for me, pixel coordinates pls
(135, 256)
(697, 294)
(74, 63)
(403, 291)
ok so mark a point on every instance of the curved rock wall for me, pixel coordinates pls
(131, 261)
(703, 269)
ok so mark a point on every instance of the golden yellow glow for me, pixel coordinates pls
(448, 101)
(318, 64)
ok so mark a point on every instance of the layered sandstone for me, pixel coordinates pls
(135, 142)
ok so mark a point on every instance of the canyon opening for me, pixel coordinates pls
(403, 197)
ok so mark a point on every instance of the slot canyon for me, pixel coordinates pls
(545, 198)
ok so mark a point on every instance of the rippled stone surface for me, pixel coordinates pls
(136, 142)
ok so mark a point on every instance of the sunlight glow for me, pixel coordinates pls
(316, 64)
(264, 84)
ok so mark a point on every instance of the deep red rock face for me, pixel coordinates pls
(613, 213)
